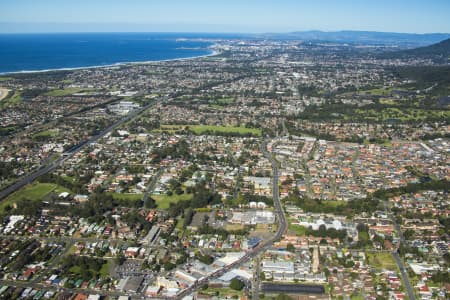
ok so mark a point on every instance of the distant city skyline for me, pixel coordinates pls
(244, 16)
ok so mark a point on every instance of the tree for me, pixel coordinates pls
(179, 190)
(290, 248)
(169, 266)
(188, 215)
(85, 274)
(447, 258)
(441, 277)
(206, 259)
(150, 203)
(120, 259)
(408, 234)
(236, 284)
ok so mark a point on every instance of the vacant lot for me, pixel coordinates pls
(298, 230)
(234, 227)
(382, 260)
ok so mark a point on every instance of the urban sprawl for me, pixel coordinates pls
(272, 169)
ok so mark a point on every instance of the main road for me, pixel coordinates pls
(398, 260)
(282, 226)
(256, 280)
(67, 155)
(151, 186)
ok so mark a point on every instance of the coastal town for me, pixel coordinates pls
(269, 170)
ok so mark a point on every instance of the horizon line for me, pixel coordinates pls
(224, 32)
(250, 32)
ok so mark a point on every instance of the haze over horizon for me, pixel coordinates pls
(413, 16)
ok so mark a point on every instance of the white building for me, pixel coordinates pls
(123, 107)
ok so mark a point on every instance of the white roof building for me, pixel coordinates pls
(227, 277)
(278, 266)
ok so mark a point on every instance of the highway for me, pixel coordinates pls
(282, 226)
(67, 155)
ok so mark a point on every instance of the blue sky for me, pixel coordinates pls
(415, 16)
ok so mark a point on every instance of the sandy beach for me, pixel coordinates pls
(3, 93)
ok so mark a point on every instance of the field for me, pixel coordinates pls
(298, 230)
(201, 129)
(63, 92)
(103, 272)
(46, 134)
(210, 129)
(312, 205)
(163, 201)
(128, 199)
(34, 192)
(383, 260)
(219, 103)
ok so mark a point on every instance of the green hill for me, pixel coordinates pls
(437, 52)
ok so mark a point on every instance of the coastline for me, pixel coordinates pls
(212, 53)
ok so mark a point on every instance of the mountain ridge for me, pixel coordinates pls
(367, 37)
(439, 52)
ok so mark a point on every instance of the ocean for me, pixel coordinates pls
(38, 52)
